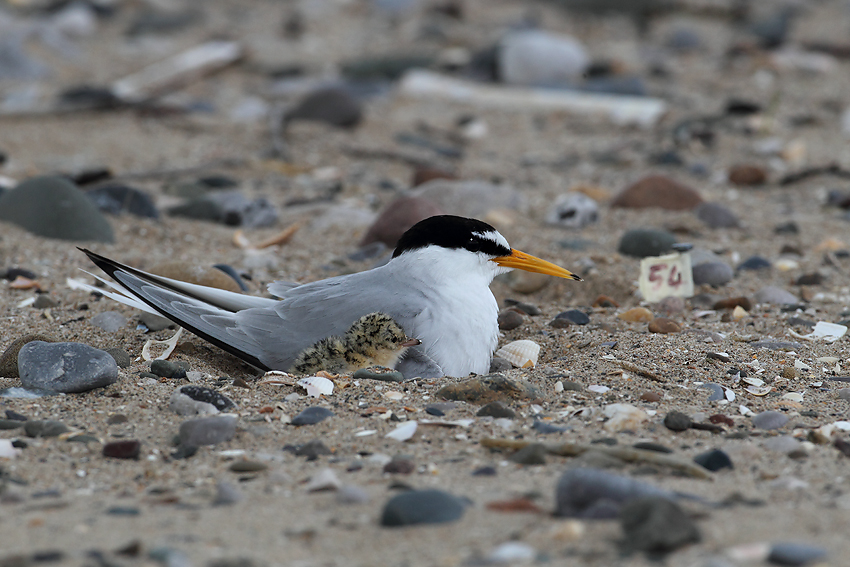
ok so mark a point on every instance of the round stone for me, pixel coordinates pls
(714, 460)
(663, 325)
(509, 319)
(770, 420)
(677, 421)
(312, 416)
(642, 242)
(658, 191)
(714, 274)
(422, 507)
(65, 367)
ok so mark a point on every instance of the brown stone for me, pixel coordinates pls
(397, 217)
(9, 358)
(719, 418)
(733, 302)
(671, 304)
(637, 315)
(201, 275)
(650, 397)
(605, 301)
(658, 191)
(663, 325)
(744, 174)
(425, 174)
(510, 319)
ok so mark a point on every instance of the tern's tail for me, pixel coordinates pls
(208, 312)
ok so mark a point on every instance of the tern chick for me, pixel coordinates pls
(373, 340)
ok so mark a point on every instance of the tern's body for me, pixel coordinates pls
(436, 287)
(373, 340)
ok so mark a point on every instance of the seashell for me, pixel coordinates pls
(753, 381)
(598, 388)
(393, 395)
(522, 354)
(623, 417)
(316, 386)
(169, 344)
(793, 396)
(758, 390)
(404, 431)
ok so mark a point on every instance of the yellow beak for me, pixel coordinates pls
(522, 261)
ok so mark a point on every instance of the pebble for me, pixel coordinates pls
(496, 409)
(325, 479)
(330, 105)
(312, 450)
(677, 421)
(199, 400)
(774, 295)
(656, 524)
(545, 427)
(54, 207)
(573, 210)
(397, 217)
(485, 471)
(650, 397)
(714, 274)
(44, 301)
(351, 494)
(769, 420)
(795, 554)
(123, 449)
(509, 319)
(9, 358)
(658, 191)
(155, 322)
(747, 175)
(312, 416)
(65, 367)
(115, 198)
(471, 198)
(716, 215)
(10, 424)
(642, 243)
(381, 375)
(499, 364)
(400, 465)
(570, 317)
(231, 208)
(733, 302)
(755, 263)
(168, 369)
(652, 446)
(671, 305)
(207, 430)
(663, 325)
(527, 308)
(226, 494)
(512, 553)
(490, 388)
(717, 391)
(598, 494)
(46, 428)
(109, 321)
(714, 460)
(538, 58)
(429, 506)
(637, 315)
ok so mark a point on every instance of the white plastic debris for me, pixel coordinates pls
(325, 479)
(622, 110)
(404, 431)
(7, 451)
(829, 332)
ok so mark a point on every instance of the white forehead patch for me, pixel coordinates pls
(494, 236)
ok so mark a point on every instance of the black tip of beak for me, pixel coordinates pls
(576, 278)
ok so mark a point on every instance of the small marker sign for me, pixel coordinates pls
(665, 276)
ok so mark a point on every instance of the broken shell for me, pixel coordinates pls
(758, 391)
(753, 381)
(316, 386)
(793, 396)
(522, 354)
(169, 344)
(404, 431)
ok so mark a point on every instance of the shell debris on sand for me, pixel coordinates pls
(522, 354)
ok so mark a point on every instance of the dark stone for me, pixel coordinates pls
(485, 471)
(311, 450)
(332, 105)
(117, 199)
(572, 317)
(380, 375)
(46, 428)
(810, 279)
(642, 243)
(531, 454)
(789, 227)
(795, 554)
(311, 416)
(677, 421)
(496, 409)
(124, 449)
(10, 424)
(595, 493)
(714, 274)
(54, 207)
(434, 411)
(656, 525)
(422, 507)
(167, 369)
(526, 308)
(400, 466)
(65, 367)
(208, 396)
(755, 263)
(714, 460)
(651, 446)
(9, 358)
(121, 356)
(490, 388)
(13, 273)
(509, 320)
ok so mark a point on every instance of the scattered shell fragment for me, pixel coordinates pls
(522, 354)
(752, 381)
(317, 386)
(169, 345)
(284, 236)
(793, 396)
(829, 332)
(758, 390)
(21, 282)
(404, 431)
(623, 417)
(278, 378)
(739, 313)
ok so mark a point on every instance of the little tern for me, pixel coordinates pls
(373, 340)
(435, 286)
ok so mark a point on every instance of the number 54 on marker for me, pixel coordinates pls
(665, 276)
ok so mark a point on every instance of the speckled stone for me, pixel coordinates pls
(65, 367)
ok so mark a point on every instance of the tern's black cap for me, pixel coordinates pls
(452, 232)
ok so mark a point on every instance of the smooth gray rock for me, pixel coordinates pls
(598, 494)
(207, 430)
(573, 210)
(715, 215)
(789, 553)
(65, 367)
(539, 58)
(774, 295)
(54, 207)
(422, 507)
(656, 525)
(714, 274)
(312, 416)
(642, 242)
(109, 321)
(770, 420)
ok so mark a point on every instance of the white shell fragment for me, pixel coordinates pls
(325, 479)
(404, 431)
(169, 345)
(793, 396)
(316, 386)
(829, 332)
(623, 417)
(753, 381)
(758, 390)
(522, 354)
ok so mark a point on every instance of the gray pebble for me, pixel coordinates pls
(642, 243)
(715, 215)
(499, 364)
(381, 376)
(714, 460)
(311, 416)
(155, 322)
(844, 394)
(207, 430)
(712, 273)
(199, 400)
(496, 409)
(422, 507)
(531, 454)
(781, 444)
(351, 494)
(10, 424)
(121, 356)
(573, 210)
(65, 367)
(677, 421)
(47, 428)
(595, 493)
(509, 320)
(770, 420)
(109, 321)
(774, 295)
(226, 494)
(115, 198)
(656, 525)
(754, 263)
(526, 308)
(44, 301)
(168, 369)
(537, 58)
(717, 391)
(795, 553)
(570, 317)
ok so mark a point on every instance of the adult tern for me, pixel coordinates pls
(435, 286)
